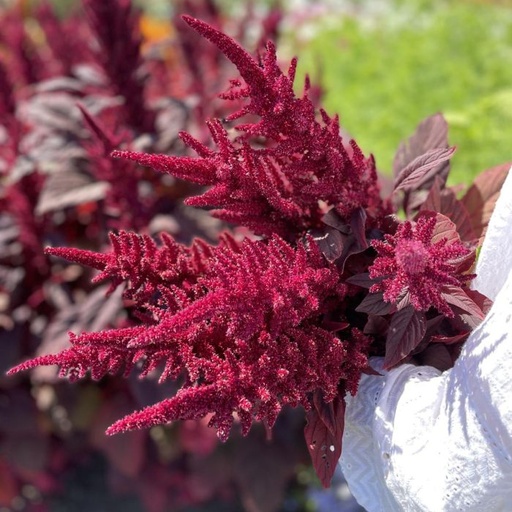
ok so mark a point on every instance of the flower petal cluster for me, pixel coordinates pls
(240, 324)
(415, 266)
(277, 173)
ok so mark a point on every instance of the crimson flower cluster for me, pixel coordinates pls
(414, 266)
(240, 323)
(327, 277)
(278, 174)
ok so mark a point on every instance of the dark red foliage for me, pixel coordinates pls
(115, 24)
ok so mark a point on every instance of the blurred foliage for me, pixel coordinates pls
(385, 65)
(386, 69)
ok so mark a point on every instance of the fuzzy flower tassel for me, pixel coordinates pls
(278, 173)
(244, 331)
(419, 265)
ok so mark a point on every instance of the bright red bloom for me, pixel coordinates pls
(280, 172)
(242, 323)
(415, 265)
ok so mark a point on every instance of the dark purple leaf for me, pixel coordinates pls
(99, 132)
(9, 231)
(67, 189)
(433, 199)
(56, 111)
(445, 202)
(326, 412)
(449, 340)
(457, 297)
(331, 242)
(422, 168)
(60, 84)
(358, 225)
(374, 304)
(437, 356)
(431, 133)
(363, 280)
(483, 302)
(444, 227)
(376, 325)
(335, 326)
(333, 219)
(324, 446)
(481, 197)
(406, 331)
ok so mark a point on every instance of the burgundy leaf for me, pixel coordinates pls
(406, 331)
(449, 340)
(331, 242)
(326, 412)
(69, 188)
(483, 302)
(433, 199)
(333, 219)
(325, 446)
(99, 131)
(444, 227)
(481, 197)
(374, 304)
(431, 133)
(376, 325)
(422, 168)
(457, 297)
(363, 280)
(358, 225)
(437, 356)
(445, 202)
(433, 325)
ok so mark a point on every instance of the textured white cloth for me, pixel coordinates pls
(417, 439)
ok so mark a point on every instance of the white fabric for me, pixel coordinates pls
(417, 439)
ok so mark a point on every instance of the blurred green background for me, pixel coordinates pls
(387, 65)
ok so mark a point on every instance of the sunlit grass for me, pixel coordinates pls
(384, 75)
